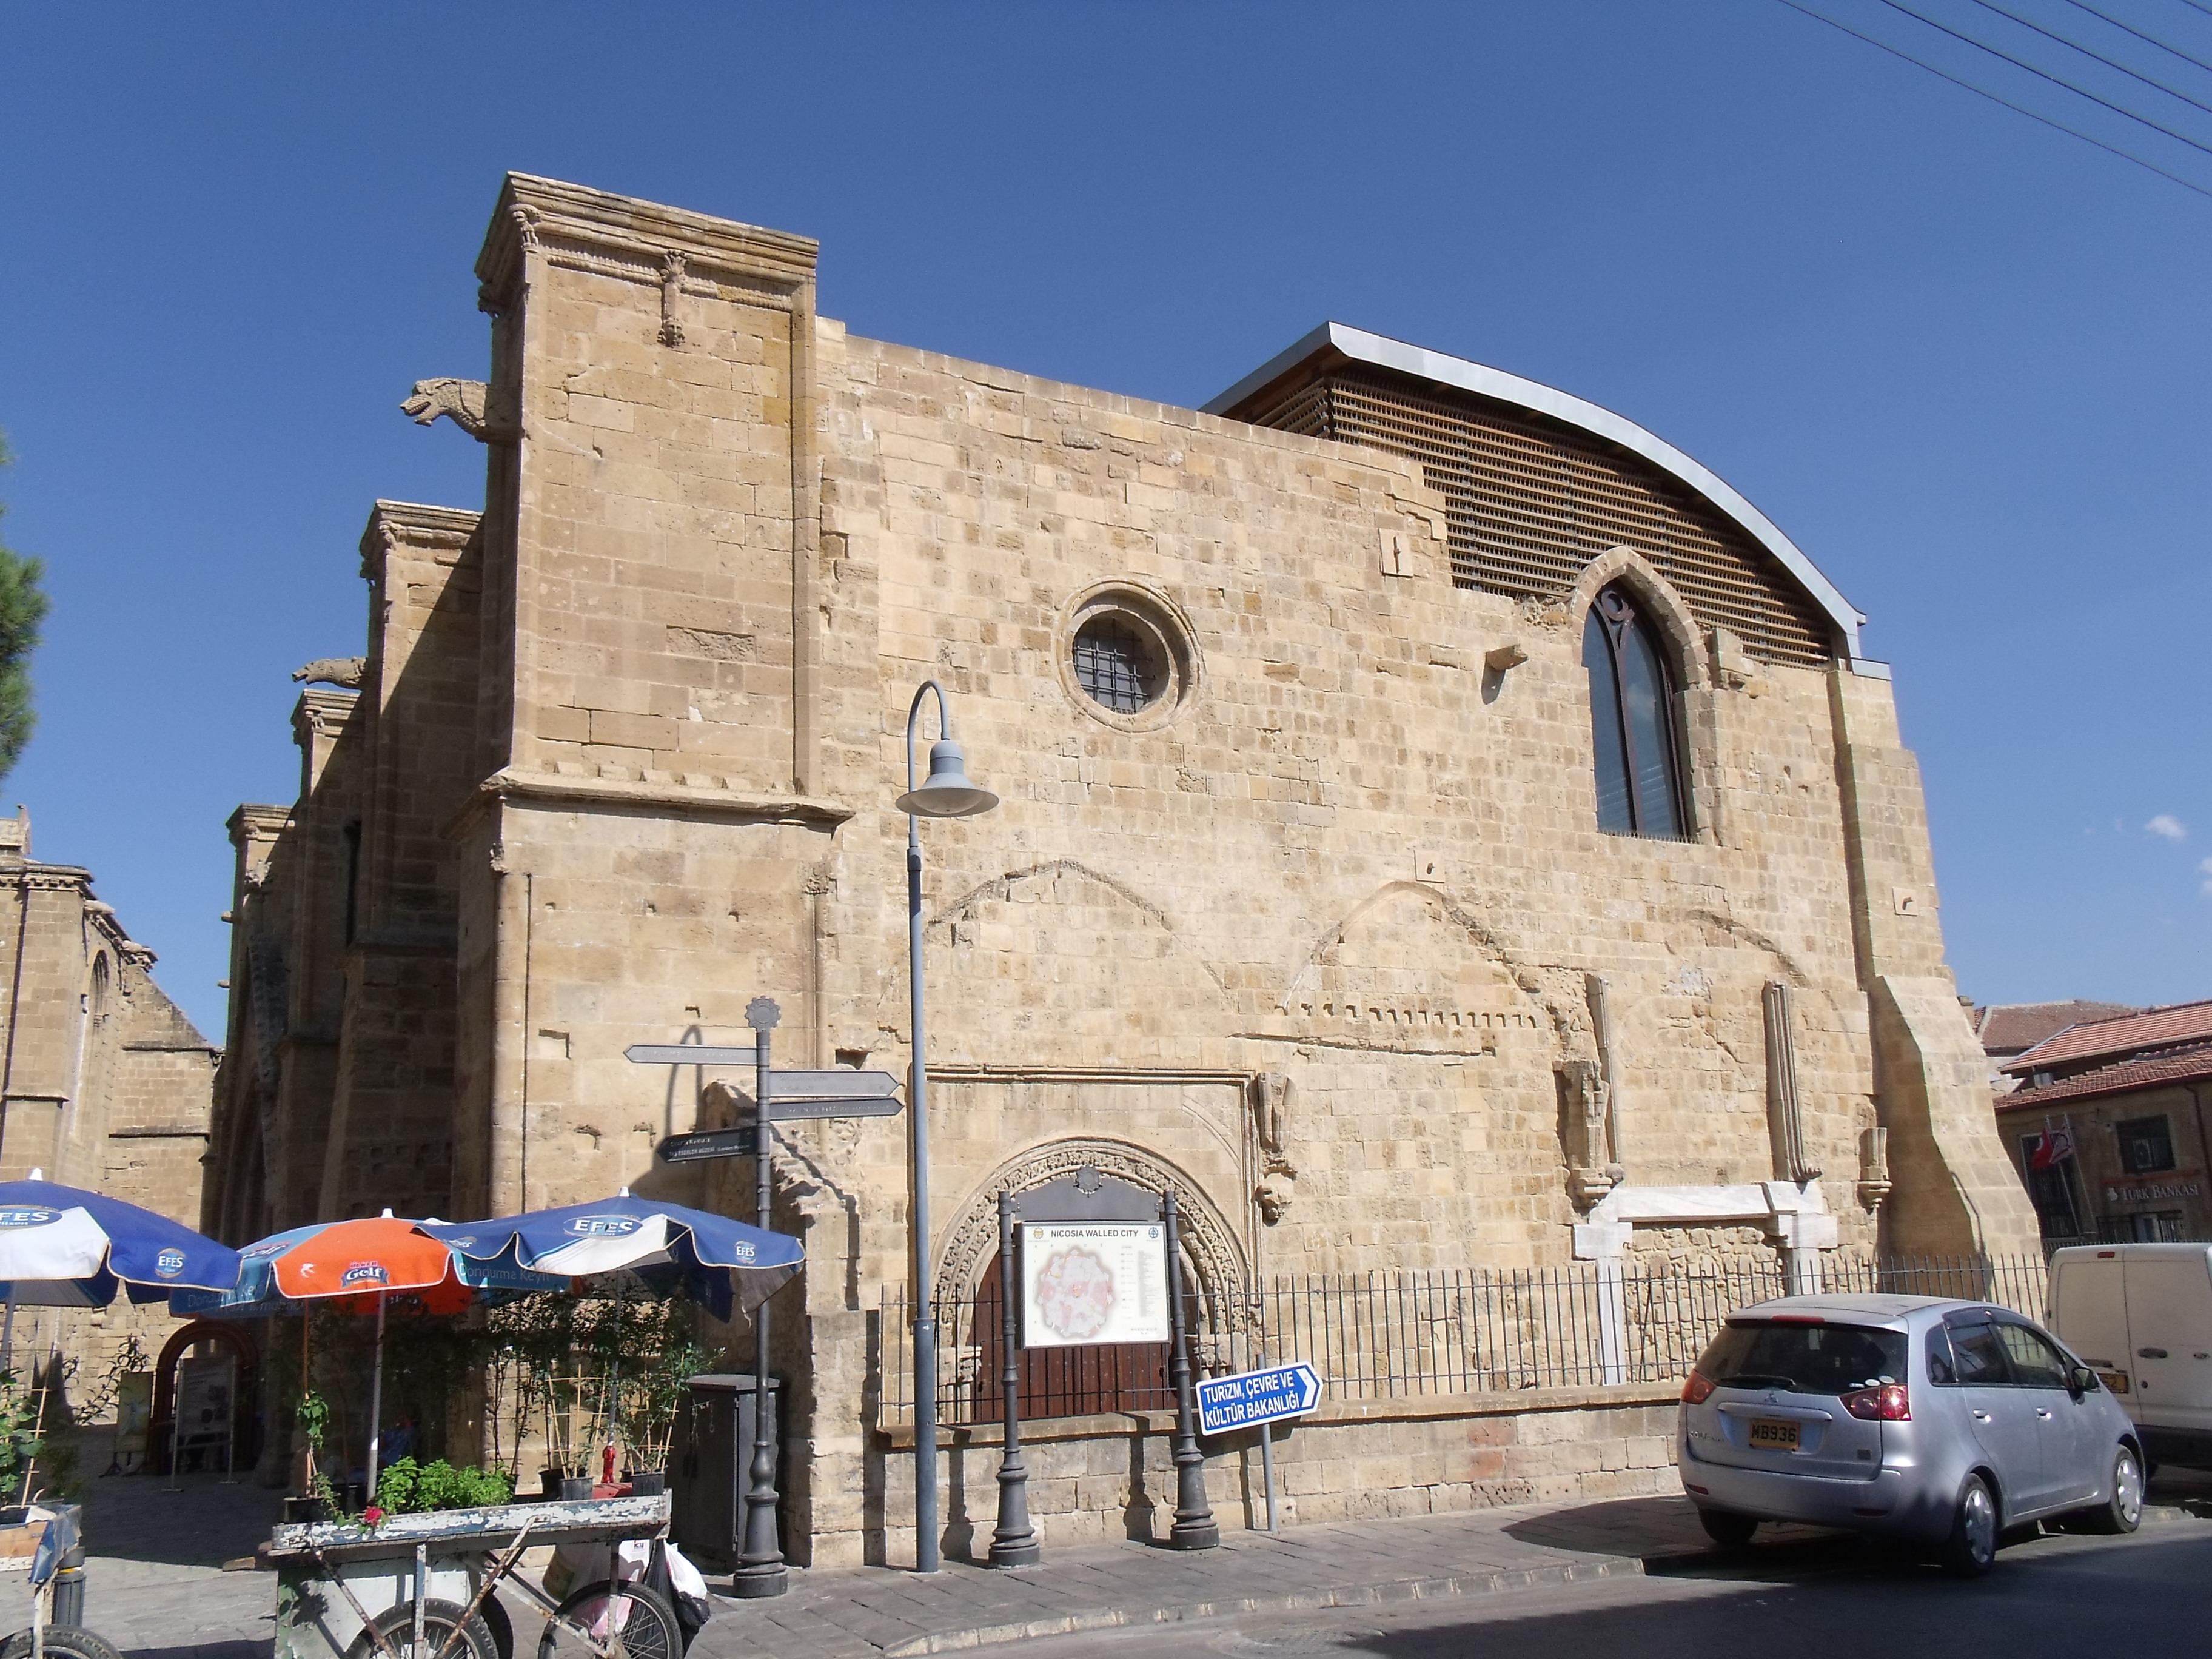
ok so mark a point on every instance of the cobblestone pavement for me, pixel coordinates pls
(156, 1587)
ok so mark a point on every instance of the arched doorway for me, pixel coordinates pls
(1091, 1379)
(203, 1339)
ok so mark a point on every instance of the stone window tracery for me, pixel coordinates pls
(1634, 727)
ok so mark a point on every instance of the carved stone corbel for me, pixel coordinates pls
(1269, 1094)
(1874, 1168)
(672, 287)
(1590, 1173)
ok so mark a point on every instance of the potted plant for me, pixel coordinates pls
(655, 1388)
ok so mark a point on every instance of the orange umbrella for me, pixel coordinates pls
(356, 1264)
(359, 1266)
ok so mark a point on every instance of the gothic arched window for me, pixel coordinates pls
(1632, 721)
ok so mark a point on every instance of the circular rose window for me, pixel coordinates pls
(1128, 658)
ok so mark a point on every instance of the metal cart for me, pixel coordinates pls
(423, 1586)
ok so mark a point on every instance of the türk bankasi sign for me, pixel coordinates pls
(1086, 1282)
(1250, 1398)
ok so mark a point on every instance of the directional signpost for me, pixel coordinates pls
(1259, 1400)
(743, 1141)
(778, 1098)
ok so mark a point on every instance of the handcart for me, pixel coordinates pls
(424, 1586)
(41, 1540)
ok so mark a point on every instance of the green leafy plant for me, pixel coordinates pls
(22, 610)
(21, 1442)
(312, 1413)
(410, 1488)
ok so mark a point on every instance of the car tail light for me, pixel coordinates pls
(1695, 1391)
(1886, 1402)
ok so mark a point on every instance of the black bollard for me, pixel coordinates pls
(1194, 1527)
(1014, 1544)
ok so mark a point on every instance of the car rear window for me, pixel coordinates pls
(1803, 1358)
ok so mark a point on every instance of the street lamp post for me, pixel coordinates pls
(948, 793)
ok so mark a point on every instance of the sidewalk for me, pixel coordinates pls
(875, 1614)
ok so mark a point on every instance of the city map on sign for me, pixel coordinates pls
(1093, 1281)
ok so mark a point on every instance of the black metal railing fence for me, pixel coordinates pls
(1377, 1336)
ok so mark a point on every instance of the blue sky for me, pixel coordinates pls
(1962, 360)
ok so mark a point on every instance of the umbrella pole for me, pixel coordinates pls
(614, 1369)
(376, 1399)
(8, 1333)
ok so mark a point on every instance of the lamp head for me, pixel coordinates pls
(948, 792)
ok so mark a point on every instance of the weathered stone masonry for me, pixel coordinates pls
(1326, 937)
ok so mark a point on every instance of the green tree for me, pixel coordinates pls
(22, 609)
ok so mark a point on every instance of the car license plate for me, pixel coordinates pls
(2116, 1381)
(1773, 1435)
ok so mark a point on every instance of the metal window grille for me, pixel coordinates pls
(1117, 666)
(1529, 502)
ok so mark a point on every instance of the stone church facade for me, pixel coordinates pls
(105, 1084)
(1442, 826)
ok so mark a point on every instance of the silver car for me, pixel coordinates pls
(1936, 1422)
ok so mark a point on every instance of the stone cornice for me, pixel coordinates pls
(49, 878)
(259, 822)
(623, 237)
(321, 713)
(436, 530)
(556, 788)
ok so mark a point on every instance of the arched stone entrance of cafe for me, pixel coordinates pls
(1088, 1180)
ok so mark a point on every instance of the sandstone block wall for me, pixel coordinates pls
(1310, 941)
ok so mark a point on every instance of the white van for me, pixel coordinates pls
(2141, 1314)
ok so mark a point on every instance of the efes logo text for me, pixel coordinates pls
(602, 1226)
(29, 1215)
(364, 1273)
(169, 1263)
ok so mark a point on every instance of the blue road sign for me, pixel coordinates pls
(1250, 1398)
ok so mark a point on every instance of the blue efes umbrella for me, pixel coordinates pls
(720, 1263)
(63, 1247)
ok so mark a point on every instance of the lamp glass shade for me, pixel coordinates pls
(948, 792)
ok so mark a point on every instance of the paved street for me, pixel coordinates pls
(2143, 1596)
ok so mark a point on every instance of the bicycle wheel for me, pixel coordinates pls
(60, 1639)
(438, 1618)
(629, 1618)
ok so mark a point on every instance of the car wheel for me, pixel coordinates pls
(1726, 1529)
(2122, 1510)
(1971, 1548)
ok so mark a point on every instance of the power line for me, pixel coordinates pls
(2109, 63)
(2045, 74)
(2140, 34)
(1995, 98)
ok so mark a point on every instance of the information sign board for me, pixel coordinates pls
(1250, 1398)
(1087, 1282)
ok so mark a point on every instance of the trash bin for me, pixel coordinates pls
(708, 1460)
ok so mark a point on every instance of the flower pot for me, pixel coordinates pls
(575, 1486)
(549, 1481)
(648, 1483)
(308, 1509)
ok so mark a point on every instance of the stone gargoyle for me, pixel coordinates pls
(467, 404)
(334, 670)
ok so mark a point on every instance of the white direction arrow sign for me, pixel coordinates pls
(687, 1054)
(1251, 1398)
(841, 1084)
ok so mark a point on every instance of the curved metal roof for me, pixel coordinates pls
(1386, 353)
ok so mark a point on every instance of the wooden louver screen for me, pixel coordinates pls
(1530, 501)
